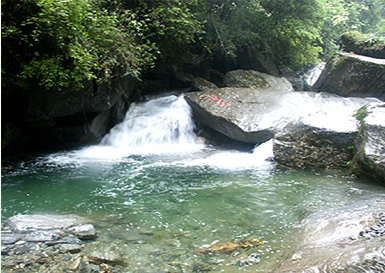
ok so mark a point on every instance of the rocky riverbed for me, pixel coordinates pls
(69, 243)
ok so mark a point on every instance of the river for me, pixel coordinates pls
(159, 194)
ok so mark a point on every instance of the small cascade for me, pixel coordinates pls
(161, 125)
(313, 74)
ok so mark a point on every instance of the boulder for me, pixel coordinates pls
(254, 115)
(200, 84)
(67, 117)
(43, 222)
(324, 138)
(370, 146)
(255, 79)
(353, 75)
(300, 145)
(362, 44)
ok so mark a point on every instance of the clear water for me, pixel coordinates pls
(159, 206)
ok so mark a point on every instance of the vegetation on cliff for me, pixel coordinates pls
(63, 43)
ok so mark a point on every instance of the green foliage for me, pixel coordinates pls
(361, 113)
(64, 43)
(72, 41)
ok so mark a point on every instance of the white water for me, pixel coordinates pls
(159, 126)
(164, 126)
(313, 74)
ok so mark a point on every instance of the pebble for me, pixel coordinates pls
(375, 230)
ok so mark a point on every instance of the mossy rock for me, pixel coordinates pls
(363, 44)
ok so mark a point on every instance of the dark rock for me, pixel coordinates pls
(370, 148)
(300, 145)
(256, 58)
(66, 117)
(200, 84)
(4, 250)
(353, 75)
(255, 79)
(361, 44)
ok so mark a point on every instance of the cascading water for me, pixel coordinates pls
(162, 125)
(313, 74)
(157, 195)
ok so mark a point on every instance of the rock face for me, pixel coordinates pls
(64, 118)
(200, 84)
(300, 145)
(370, 147)
(255, 79)
(325, 138)
(353, 75)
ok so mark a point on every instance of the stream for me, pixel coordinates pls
(159, 193)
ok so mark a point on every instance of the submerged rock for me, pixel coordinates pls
(326, 243)
(353, 75)
(28, 223)
(85, 232)
(370, 147)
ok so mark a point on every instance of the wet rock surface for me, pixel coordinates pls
(370, 145)
(348, 240)
(353, 75)
(300, 146)
(254, 115)
(46, 243)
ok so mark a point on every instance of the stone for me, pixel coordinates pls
(4, 250)
(9, 238)
(361, 44)
(85, 232)
(255, 79)
(42, 236)
(71, 248)
(28, 223)
(302, 146)
(200, 84)
(353, 75)
(110, 254)
(254, 115)
(370, 147)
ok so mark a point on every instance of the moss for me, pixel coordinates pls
(361, 114)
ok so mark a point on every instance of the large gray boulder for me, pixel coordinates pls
(300, 146)
(254, 115)
(324, 138)
(370, 146)
(353, 75)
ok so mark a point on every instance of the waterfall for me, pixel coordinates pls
(161, 125)
(313, 74)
